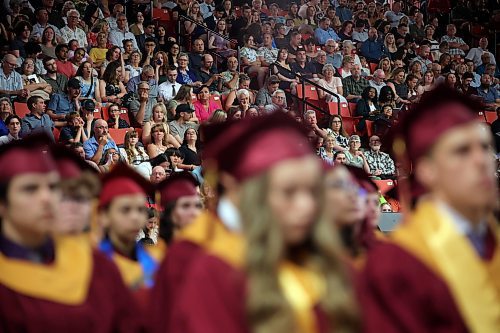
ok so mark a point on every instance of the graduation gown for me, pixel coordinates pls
(214, 293)
(428, 278)
(81, 291)
(138, 274)
(176, 266)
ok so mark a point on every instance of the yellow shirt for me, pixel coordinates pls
(98, 55)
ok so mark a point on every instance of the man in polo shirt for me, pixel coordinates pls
(11, 82)
(62, 104)
(96, 146)
(37, 121)
(56, 80)
(183, 113)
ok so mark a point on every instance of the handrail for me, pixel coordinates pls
(300, 77)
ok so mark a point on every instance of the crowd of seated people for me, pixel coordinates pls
(110, 76)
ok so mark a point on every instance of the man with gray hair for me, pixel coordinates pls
(354, 85)
(96, 146)
(11, 82)
(332, 55)
(146, 81)
(117, 36)
(377, 81)
(278, 102)
(71, 30)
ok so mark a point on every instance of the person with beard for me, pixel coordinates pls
(57, 80)
(447, 272)
(380, 163)
(489, 95)
(373, 49)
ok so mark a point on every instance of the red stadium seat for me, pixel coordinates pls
(333, 108)
(491, 116)
(349, 124)
(21, 109)
(57, 133)
(481, 116)
(369, 127)
(118, 135)
(217, 100)
(373, 67)
(385, 186)
(308, 91)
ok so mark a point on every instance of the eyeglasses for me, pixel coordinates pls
(374, 141)
(74, 17)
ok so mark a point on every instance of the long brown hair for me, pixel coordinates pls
(267, 309)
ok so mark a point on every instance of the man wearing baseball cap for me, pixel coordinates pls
(183, 116)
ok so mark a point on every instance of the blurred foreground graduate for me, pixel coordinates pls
(181, 206)
(80, 187)
(349, 196)
(52, 284)
(441, 271)
(278, 271)
(123, 213)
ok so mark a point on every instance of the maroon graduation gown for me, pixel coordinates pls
(169, 284)
(108, 308)
(214, 300)
(400, 294)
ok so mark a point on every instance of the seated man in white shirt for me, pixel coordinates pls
(168, 89)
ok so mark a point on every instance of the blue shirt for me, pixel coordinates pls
(373, 50)
(60, 104)
(323, 35)
(3, 128)
(344, 14)
(186, 78)
(90, 147)
(490, 96)
(31, 124)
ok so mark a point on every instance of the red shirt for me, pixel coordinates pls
(66, 68)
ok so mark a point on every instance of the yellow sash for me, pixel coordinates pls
(474, 284)
(131, 270)
(303, 289)
(64, 281)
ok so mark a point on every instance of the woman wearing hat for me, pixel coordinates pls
(281, 273)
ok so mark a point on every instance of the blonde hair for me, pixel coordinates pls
(266, 250)
(163, 109)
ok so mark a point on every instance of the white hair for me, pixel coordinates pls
(242, 92)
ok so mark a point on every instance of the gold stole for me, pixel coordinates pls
(301, 287)
(65, 281)
(131, 270)
(430, 235)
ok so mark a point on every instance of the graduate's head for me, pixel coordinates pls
(79, 187)
(266, 154)
(450, 150)
(123, 204)
(345, 199)
(29, 190)
(181, 203)
(270, 168)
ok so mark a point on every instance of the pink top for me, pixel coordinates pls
(203, 114)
